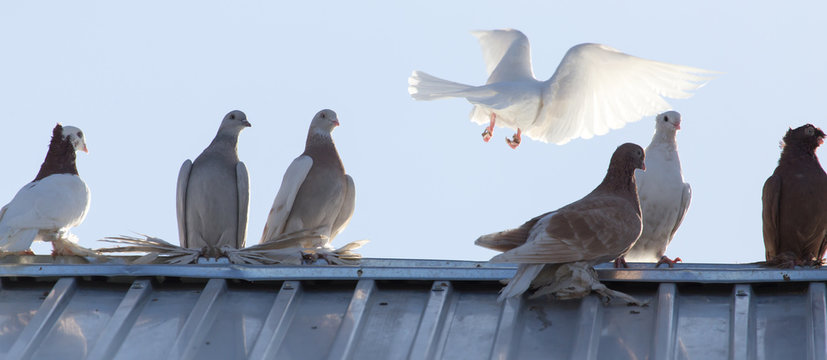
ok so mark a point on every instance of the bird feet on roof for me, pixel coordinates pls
(621, 263)
(668, 261)
(515, 140)
(489, 131)
(16, 253)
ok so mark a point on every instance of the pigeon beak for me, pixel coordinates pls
(85, 149)
(643, 166)
(336, 122)
(246, 123)
(677, 126)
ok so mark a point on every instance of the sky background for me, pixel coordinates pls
(148, 83)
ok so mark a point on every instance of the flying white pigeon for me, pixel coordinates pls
(213, 193)
(561, 245)
(595, 88)
(54, 202)
(664, 197)
(316, 194)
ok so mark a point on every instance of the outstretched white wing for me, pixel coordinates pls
(597, 88)
(506, 54)
(283, 204)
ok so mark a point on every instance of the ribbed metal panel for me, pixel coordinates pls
(408, 309)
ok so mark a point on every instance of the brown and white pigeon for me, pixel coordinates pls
(795, 202)
(54, 202)
(573, 102)
(598, 228)
(316, 195)
(664, 196)
(213, 192)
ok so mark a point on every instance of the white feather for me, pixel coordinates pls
(42, 209)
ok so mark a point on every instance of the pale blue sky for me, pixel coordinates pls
(148, 82)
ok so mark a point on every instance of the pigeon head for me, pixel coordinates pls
(628, 157)
(74, 136)
(668, 121)
(806, 137)
(324, 122)
(235, 120)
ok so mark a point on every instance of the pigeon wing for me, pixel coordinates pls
(769, 215)
(508, 239)
(597, 229)
(348, 206)
(686, 198)
(283, 204)
(506, 54)
(243, 183)
(181, 201)
(597, 88)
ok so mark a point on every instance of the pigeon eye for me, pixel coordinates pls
(323, 116)
(665, 118)
(232, 117)
(80, 134)
(809, 131)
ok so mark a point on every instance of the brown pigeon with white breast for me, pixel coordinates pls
(795, 202)
(54, 202)
(598, 228)
(316, 196)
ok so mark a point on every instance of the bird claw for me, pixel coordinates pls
(668, 261)
(621, 263)
(486, 135)
(515, 140)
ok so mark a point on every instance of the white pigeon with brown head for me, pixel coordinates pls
(598, 228)
(316, 195)
(54, 202)
(664, 196)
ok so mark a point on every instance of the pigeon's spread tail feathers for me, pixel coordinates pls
(423, 86)
(521, 281)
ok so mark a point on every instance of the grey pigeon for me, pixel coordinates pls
(664, 196)
(795, 202)
(213, 192)
(598, 228)
(55, 201)
(316, 196)
(595, 88)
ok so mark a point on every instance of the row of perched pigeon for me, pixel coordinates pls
(633, 214)
(315, 203)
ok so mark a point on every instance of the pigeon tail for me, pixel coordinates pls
(521, 281)
(424, 86)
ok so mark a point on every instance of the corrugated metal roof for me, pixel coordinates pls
(399, 309)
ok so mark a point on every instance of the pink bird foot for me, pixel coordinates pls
(668, 261)
(515, 140)
(621, 263)
(489, 131)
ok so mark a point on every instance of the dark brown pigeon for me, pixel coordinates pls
(795, 202)
(598, 228)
